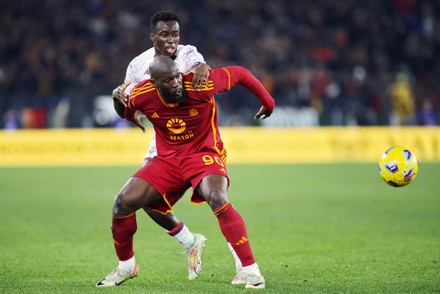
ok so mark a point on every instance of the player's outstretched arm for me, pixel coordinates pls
(242, 76)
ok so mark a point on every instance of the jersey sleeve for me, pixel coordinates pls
(189, 58)
(131, 75)
(227, 77)
(131, 106)
(130, 110)
(136, 71)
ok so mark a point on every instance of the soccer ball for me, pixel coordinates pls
(398, 166)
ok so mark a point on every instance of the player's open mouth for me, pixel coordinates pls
(171, 50)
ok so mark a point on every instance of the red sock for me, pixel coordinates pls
(234, 230)
(123, 229)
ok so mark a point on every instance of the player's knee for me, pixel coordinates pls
(117, 209)
(216, 199)
(121, 205)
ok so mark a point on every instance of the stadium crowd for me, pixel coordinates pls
(348, 62)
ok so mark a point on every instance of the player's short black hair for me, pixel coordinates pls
(163, 15)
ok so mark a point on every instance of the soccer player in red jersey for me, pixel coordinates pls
(165, 36)
(190, 154)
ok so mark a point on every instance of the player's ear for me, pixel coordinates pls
(151, 37)
(153, 81)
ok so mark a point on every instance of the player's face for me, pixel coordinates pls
(170, 85)
(166, 37)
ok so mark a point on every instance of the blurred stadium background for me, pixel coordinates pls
(327, 63)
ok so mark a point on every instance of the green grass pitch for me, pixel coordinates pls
(335, 228)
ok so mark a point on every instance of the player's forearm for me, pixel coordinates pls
(128, 114)
(242, 76)
(119, 107)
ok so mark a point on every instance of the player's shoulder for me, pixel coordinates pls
(147, 54)
(187, 76)
(186, 49)
(143, 87)
(144, 84)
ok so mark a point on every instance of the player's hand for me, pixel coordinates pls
(200, 77)
(119, 94)
(138, 115)
(263, 113)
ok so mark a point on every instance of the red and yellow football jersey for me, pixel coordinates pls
(191, 126)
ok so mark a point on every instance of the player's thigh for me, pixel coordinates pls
(162, 174)
(137, 193)
(208, 176)
(197, 166)
(213, 185)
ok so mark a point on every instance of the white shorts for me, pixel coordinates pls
(152, 151)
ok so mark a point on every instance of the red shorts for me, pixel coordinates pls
(172, 176)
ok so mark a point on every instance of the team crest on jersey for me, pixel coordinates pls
(193, 112)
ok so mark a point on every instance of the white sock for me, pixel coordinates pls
(184, 237)
(127, 265)
(253, 268)
(236, 259)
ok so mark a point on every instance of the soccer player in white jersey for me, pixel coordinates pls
(165, 36)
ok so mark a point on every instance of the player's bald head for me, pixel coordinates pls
(162, 65)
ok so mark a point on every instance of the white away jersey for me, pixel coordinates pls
(187, 57)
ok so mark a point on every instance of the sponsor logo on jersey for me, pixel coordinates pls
(176, 125)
